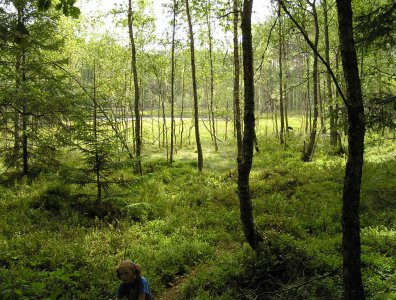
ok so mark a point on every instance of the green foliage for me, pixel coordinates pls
(56, 241)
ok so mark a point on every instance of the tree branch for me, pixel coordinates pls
(314, 49)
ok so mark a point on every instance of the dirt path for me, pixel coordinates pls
(173, 292)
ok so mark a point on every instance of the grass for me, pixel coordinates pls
(175, 221)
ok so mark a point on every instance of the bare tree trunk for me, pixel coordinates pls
(333, 129)
(308, 119)
(286, 100)
(237, 108)
(226, 121)
(25, 153)
(195, 89)
(173, 84)
(95, 134)
(307, 155)
(246, 159)
(164, 126)
(353, 287)
(138, 140)
(282, 116)
(211, 109)
(20, 83)
(158, 119)
(131, 109)
(182, 107)
(17, 142)
(321, 110)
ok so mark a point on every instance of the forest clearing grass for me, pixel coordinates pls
(173, 220)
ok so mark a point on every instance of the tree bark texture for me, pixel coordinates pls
(281, 106)
(211, 109)
(352, 279)
(307, 155)
(237, 108)
(245, 162)
(195, 92)
(333, 130)
(172, 142)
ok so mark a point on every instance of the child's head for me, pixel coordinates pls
(127, 271)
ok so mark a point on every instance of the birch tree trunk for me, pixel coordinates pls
(237, 108)
(138, 137)
(308, 153)
(246, 159)
(195, 91)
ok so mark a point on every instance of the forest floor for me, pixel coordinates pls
(183, 226)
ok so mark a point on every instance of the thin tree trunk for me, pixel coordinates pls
(282, 116)
(308, 120)
(333, 129)
(95, 134)
(246, 159)
(164, 126)
(226, 122)
(158, 120)
(237, 108)
(132, 118)
(138, 140)
(25, 153)
(173, 84)
(195, 89)
(307, 155)
(211, 109)
(182, 106)
(285, 82)
(20, 84)
(353, 287)
(321, 110)
(17, 142)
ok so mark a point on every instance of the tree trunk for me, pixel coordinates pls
(182, 106)
(307, 155)
(353, 287)
(211, 107)
(333, 129)
(195, 91)
(138, 140)
(246, 159)
(237, 107)
(164, 126)
(173, 84)
(282, 115)
(95, 134)
(20, 84)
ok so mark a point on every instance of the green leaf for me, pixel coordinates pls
(55, 294)
(75, 12)
(44, 4)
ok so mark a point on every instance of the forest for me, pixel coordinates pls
(234, 149)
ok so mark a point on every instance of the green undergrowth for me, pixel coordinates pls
(58, 242)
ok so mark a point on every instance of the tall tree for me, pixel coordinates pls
(173, 82)
(353, 287)
(281, 105)
(138, 137)
(246, 159)
(333, 130)
(308, 152)
(210, 42)
(195, 89)
(237, 107)
(33, 45)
